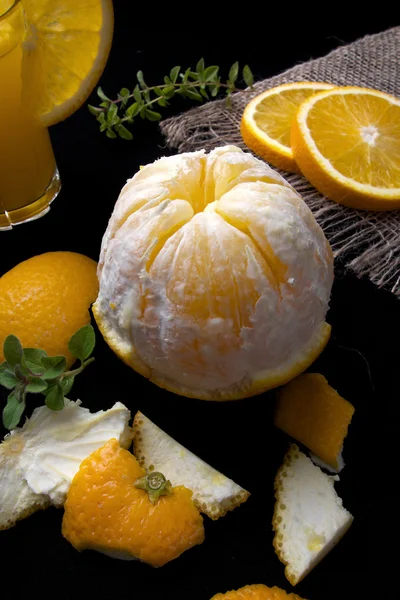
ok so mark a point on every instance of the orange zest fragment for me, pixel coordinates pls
(104, 511)
(313, 413)
(256, 591)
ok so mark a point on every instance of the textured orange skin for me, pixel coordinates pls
(45, 299)
(105, 511)
(257, 591)
(312, 412)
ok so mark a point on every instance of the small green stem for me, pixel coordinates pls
(194, 84)
(78, 369)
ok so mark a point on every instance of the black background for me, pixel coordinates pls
(236, 437)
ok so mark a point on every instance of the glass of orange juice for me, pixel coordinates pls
(29, 178)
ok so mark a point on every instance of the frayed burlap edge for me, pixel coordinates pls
(368, 243)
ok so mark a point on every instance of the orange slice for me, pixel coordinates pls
(65, 51)
(267, 120)
(346, 141)
(256, 591)
(313, 413)
(105, 511)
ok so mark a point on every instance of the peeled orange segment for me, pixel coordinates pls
(257, 591)
(309, 518)
(312, 412)
(214, 276)
(65, 51)
(213, 493)
(267, 120)
(105, 511)
(346, 141)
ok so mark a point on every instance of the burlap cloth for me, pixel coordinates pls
(367, 243)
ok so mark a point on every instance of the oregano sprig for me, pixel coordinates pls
(203, 83)
(31, 370)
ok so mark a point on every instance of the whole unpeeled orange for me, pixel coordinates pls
(45, 299)
(214, 276)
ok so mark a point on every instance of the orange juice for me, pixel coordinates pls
(28, 173)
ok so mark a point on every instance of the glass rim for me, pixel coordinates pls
(9, 10)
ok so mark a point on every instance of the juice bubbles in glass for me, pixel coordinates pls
(29, 179)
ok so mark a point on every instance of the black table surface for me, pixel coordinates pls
(360, 361)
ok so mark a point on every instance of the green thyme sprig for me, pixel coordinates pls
(30, 370)
(202, 84)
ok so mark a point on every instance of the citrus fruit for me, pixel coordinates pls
(312, 412)
(257, 591)
(214, 276)
(346, 141)
(267, 121)
(104, 511)
(213, 493)
(65, 51)
(39, 460)
(309, 518)
(45, 299)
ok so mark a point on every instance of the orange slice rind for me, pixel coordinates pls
(346, 142)
(64, 53)
(267, 121)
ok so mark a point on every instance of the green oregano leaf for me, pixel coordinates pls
(174, 74)
(210, 73)
(95, 110)
(54, 365)
(137, 94)
(55, 397)
(152, 115)
(248, 76)
(67, 384)
(200, 67)
(33, 360)
(82, 342)
(36, 385)
(102, 95)
(13, 411)
(7, 378)
(123, 132)
(12, 350)
(133, 109)
(234, 72)
(139, 76)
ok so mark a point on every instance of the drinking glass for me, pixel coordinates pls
(29, 179)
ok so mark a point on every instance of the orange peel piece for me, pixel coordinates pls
(313, 413)
(257, 591)
(105, 511)
(309, 517)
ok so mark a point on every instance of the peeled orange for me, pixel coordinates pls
(214, 276)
